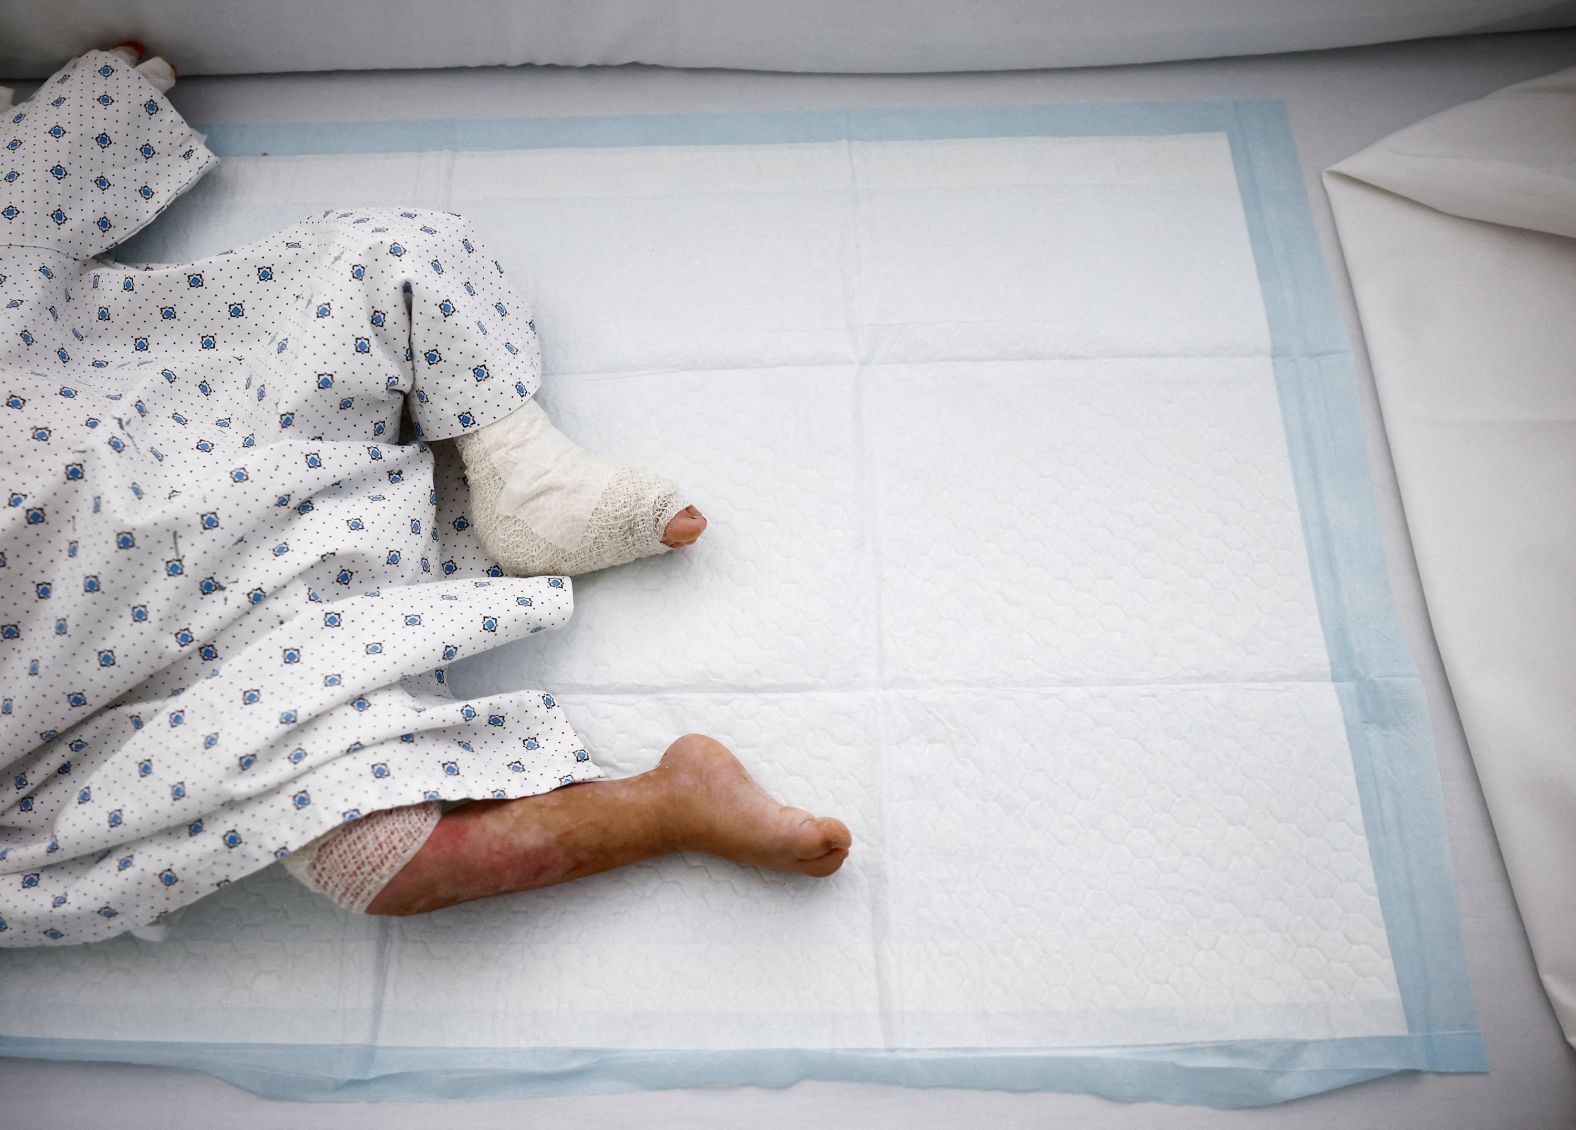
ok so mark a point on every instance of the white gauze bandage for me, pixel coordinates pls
(159, 73)
(541, 505)
(355, 861)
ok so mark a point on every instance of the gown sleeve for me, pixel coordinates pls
(94, 155)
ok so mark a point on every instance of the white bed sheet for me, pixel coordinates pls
(1339, 102)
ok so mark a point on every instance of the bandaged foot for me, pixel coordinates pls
(541, 505)
(158, 72)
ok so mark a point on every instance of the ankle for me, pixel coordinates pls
(676, 818)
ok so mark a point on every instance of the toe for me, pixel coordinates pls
(818, 837)
(834, 834)
(687, 525)
(823, 865)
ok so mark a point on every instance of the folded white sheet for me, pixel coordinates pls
(1460, 237)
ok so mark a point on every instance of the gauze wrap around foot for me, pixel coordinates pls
(355, 861)
(541, 505)
(159, 73)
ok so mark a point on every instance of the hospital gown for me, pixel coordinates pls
(228, 591)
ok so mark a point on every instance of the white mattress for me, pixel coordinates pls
(1511, 1010)
(810, 35)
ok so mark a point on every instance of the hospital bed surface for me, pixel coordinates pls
(1338, 102)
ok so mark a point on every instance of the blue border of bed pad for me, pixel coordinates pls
(1376, 679)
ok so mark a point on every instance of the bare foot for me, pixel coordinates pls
(699, 798)
(687, 525)
(724, 812)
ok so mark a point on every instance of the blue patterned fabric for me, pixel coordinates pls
(225, 604)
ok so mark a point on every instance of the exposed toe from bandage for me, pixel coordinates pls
(685, 528)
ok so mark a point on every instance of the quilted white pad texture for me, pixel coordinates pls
(1006, 569)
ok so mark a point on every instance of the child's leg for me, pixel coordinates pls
(542, 505)
(699, 798)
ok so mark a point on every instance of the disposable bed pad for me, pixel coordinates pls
(1043, 553)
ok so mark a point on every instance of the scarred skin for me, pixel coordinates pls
(698, 798)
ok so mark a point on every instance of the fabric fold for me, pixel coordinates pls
(227, 598)
(1458, 236)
